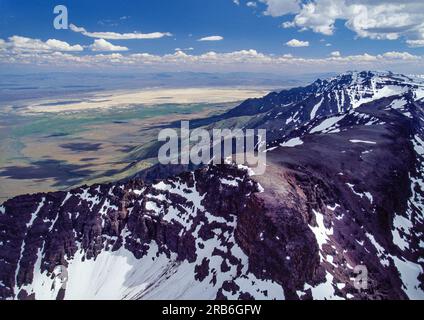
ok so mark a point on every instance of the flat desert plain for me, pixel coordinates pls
(148, 97)
(55, 144)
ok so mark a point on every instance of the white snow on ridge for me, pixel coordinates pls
(369, 196)
(334, 207)
(327, 124)
(22, 249)
(119, 275)
(386, 91)
(292, 142)
(370, 87)
(293, 118)
(2, 210)
(95, 200)
(362, 141)
(270, 149)
(320, 231)
(418, 145)
(35, 213)
(152, 206)
(409, 273)
(161, 186)
(404, 227)
(231, 183)
(381, 252)
(260, 188)
(316, 108)
(398, 103)
(247, 281)
(323, 291)
(401, 225)
(360, 93)
(361, 195)
(68, 195)
(250, 171)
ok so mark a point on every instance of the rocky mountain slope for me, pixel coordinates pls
(343, 188)
(282, 112)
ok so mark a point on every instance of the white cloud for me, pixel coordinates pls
(237, 2)
(62, 45)
(276, 8)
(399, 55)
(386, 19)
(251, 4)
(297, 43)
(243, 60)
(211, 38)
(103, 45)
(415, 43)
(288, 24)
(335, 54)
(184, 49)
(18, 43)
(119, 36)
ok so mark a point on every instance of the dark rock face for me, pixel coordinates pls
(343, 188)
(190, 218)
(362, 176)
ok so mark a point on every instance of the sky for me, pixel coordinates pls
(291, 36)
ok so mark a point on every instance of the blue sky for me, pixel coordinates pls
(250, 36)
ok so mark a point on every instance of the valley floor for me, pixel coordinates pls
(100, 138)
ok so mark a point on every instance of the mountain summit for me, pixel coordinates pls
(342, 198)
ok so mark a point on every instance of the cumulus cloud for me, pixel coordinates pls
(242, 60)
(251, 4)
(335, 54)
(119, 36)
(386, 19)
(399, 55)
(211, 38)
(58, 54)
(297, 43)
(415, 43)
(276, 8)
(103, 45)
(18, 43)
(62, 45)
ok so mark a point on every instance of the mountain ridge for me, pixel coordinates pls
(343, 188)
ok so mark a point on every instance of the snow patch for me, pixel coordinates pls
(231, 183)
(380, 250)
(316, 108)
(362, 141)
(320, 231)
(327, 124)
(292, 142)
(409, 273)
